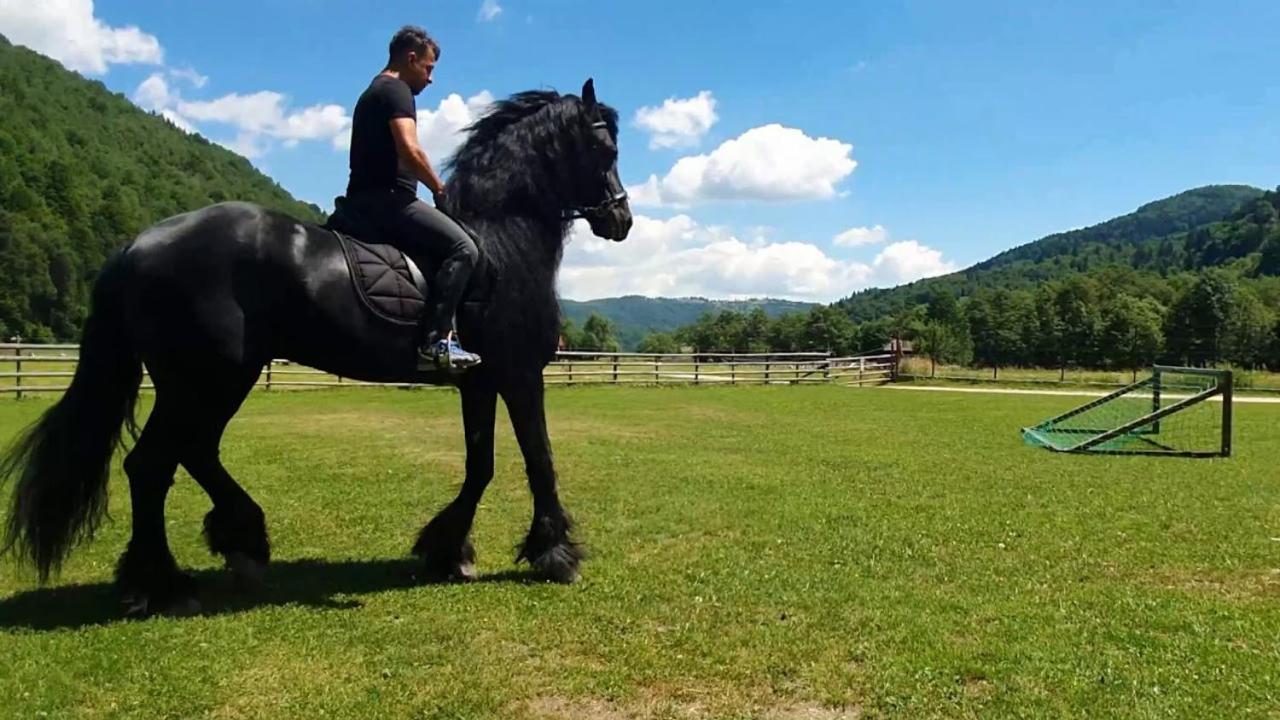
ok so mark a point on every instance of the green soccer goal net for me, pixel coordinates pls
(1176, 411)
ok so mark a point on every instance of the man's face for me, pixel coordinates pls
(418, 74)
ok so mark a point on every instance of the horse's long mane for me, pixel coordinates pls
(509, 181)
(510, 163)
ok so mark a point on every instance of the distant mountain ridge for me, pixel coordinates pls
(636, 316)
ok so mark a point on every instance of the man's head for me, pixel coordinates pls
(413, 55)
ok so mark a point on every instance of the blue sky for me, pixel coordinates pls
(926, 135)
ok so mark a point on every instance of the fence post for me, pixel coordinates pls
(767, 367)
(615, 369)
(269, 364)
(17, 369)
(657, 360)
(570, 380)
(696, 368)
(1228, 384)
(733, 371)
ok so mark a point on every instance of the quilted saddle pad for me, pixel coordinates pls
(387, 281)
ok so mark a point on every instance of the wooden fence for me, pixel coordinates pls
(578, 368)
(27, 368)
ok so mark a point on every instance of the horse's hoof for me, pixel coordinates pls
(462, 572)
(141, 606)
(559, 564)
(246, 573)
(182, 607)
(562, 574)
(134, 606)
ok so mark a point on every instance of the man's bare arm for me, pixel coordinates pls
(405, 133)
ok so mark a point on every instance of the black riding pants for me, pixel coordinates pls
(433, 240)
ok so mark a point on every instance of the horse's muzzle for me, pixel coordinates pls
(614, 223)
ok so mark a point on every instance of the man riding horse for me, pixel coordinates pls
(387, 163)
(207, 298)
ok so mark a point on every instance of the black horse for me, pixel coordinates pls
(207, 298)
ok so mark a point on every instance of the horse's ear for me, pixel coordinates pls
(589, 92)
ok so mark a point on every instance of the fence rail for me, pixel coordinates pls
(44, 368)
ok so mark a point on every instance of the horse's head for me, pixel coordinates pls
(598, 195)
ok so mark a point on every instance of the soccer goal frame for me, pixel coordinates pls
(1144, 429)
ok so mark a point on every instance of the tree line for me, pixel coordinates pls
(1118, 318)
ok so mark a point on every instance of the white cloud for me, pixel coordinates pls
(646, 194)
(908, 260)
(156, 95)
(440, 130)
(153, 93)
(265, 115)
(771, 162)
(190, 75)
(489, 9)
(257, 112)
(680, 257)
(342, 141)
(317, 122)
(858, 236)
(257, 118)
(67, 31)
(245, 143)
(678, 122)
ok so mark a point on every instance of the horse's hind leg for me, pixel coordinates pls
(236, 527)
(147, 575)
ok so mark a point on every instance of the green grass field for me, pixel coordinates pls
(771, 552)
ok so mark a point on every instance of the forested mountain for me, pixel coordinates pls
(1206, 227)
(1118, 240)
(82, 171)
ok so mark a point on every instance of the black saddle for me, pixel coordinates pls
(389, 283)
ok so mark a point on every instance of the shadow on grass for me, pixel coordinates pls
(318, 584)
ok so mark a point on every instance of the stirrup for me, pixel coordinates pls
(446, 354)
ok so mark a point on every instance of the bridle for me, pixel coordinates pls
(615, 197)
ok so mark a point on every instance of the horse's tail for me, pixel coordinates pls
(62, 462)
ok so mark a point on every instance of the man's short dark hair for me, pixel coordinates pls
(412, 38)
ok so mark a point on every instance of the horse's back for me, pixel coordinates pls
(208, 231)
(226, 276)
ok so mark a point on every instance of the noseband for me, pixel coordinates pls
(581, 211)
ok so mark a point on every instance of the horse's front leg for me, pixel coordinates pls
(443, 544)
(548, 547)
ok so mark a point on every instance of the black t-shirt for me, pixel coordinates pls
(373, 150)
